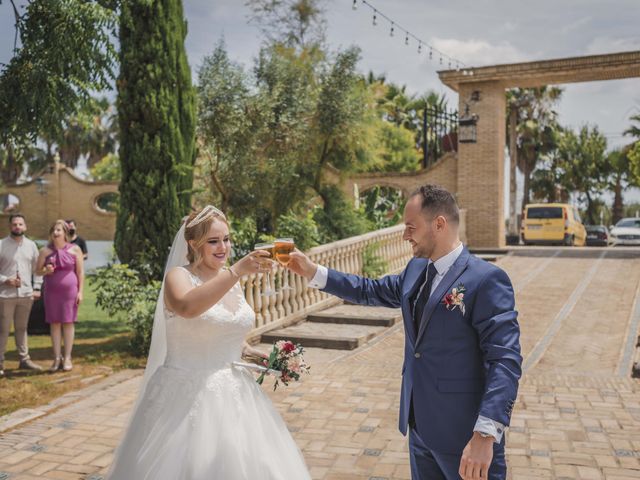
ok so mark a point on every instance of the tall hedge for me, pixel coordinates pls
(156, 108)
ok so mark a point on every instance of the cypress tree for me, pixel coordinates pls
(156, 109)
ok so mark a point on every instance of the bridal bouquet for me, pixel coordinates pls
(285, 357)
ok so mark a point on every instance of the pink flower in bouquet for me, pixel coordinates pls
(285, 357)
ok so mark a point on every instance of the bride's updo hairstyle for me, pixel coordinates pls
(196, 229)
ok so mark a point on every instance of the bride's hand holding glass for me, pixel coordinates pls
(254, 262)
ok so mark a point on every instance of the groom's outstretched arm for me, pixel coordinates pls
(382, 292)
(496, 321)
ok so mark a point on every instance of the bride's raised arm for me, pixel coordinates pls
(187, 301)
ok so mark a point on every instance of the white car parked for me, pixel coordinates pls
(626, 232)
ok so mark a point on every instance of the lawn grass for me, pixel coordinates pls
(100, 348)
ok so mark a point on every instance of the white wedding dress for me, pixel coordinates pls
(201, 418)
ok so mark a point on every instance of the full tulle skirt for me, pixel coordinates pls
(206, 425)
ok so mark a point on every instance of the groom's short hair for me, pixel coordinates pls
(437, 200)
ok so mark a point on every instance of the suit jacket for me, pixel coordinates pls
(457, 366)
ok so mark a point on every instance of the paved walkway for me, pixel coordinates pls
(577, 416)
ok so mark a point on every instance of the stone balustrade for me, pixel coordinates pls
(290, 306)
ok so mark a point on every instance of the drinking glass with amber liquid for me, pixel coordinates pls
(265, 265)
(282, 247)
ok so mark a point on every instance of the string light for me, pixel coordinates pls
(441, 55)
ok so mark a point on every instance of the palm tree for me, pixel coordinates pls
(619, 178)
(92, 132)
(633, 130)
(534, 129)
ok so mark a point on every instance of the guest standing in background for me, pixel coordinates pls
(61, 262)
(18, 260)
(77, 239)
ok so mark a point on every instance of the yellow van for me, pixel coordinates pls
(552, 223)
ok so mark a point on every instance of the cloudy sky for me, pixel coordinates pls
(477, 32)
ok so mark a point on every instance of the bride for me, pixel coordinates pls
(197, 416)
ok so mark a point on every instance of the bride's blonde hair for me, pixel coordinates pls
(197, 227)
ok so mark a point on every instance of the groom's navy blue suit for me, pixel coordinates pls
(456, 367)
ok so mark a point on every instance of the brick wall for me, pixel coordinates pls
(64, 196)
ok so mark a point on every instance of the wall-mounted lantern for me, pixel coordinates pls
(41, 185)
(467, 127)
(467, 124)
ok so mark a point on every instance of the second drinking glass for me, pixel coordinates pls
(265, 265)
(282, 247)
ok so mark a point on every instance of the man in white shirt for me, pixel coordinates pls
(18, 259)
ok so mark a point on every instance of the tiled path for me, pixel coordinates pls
(577, 416)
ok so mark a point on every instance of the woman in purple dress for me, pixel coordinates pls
(61, 264)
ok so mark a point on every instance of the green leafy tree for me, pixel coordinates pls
(294, 23)
(156, 114)
(66, 54)
(264, 149)
(582, 158)
(107, 169)
(393, 150)
(634, 150)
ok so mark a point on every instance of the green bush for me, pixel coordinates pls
(244, 235)
(120, 291)
(373, 265)
(383, 206)
(302, 229)
(338, 219)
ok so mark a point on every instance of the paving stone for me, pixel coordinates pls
(575, 418)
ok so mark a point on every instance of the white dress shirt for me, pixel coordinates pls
(483, 425)
(18, 256)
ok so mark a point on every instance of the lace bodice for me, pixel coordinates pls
(213, 339)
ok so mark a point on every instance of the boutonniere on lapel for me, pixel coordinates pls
(455, 298)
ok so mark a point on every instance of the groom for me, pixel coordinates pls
(462, 351)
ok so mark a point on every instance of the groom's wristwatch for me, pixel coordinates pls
(485, 435)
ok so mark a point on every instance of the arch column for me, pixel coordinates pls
(481, 166)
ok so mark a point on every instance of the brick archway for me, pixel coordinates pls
(480, 169)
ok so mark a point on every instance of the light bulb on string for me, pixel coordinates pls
(441, 56)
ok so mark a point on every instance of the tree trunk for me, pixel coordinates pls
(590, 213)
(618, 208)
(513, 162)
(11, 169)
(527, 183)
